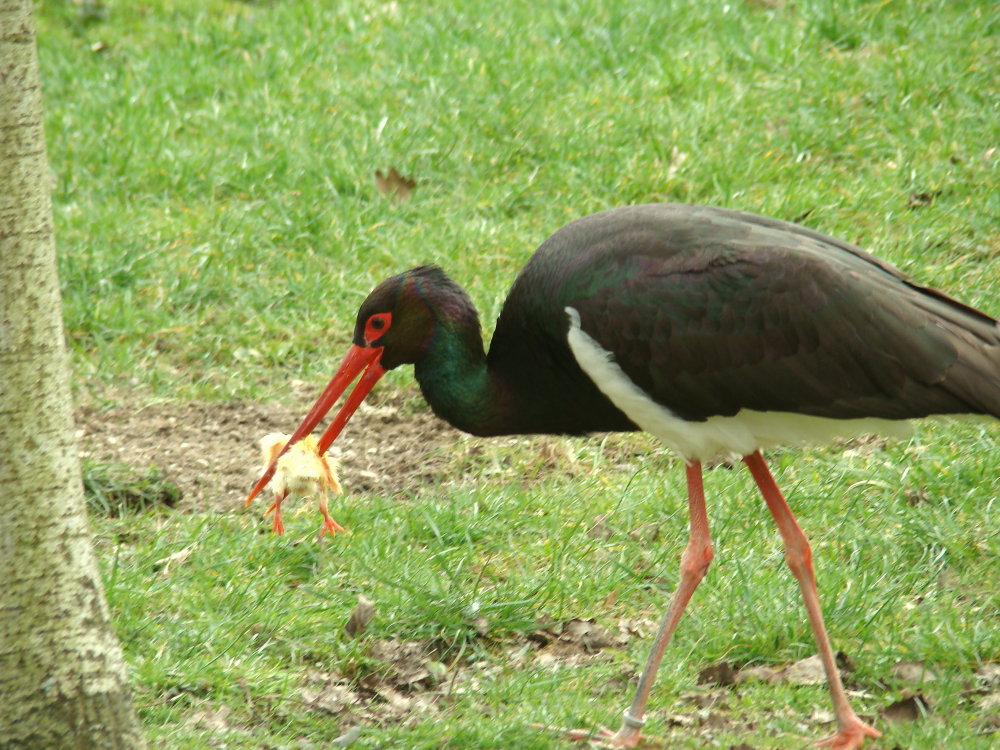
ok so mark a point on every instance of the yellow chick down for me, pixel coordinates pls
(303, 471)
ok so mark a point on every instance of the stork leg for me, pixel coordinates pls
(851, 731)
(694, 564)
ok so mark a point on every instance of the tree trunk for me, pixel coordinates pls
(62, 676)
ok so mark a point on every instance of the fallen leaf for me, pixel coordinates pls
(721, 673)
(990, 702)
(762, 673)
(989, 673)
(214, 720)
(918, 199)
(590, 635)
(808, 671)
(179, 558)
(822, 716)
(394, 185)
(363, 612)
(677, 159)
(640, 627)
(348, 738)
(686, 721)
(912, 671)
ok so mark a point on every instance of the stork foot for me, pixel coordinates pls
(627, 737)
(850, 736)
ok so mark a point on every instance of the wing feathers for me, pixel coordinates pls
(780, 318)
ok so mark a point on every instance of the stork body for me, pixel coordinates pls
(720, 332)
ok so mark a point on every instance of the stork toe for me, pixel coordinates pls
(849, 737)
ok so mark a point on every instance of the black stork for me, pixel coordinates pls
(720, 332)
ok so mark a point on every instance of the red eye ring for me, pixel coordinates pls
(377, 325)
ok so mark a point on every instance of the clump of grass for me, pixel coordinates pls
(114, 490)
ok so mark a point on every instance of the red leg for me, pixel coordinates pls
(329, 525)
(279, 527)
(694, 564)
(851, 730)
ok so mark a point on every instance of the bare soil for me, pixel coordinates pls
(210, 451)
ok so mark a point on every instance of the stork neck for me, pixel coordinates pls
(456, 382)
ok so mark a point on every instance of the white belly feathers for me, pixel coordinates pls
(716, 437)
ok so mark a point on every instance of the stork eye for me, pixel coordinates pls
(377, 325)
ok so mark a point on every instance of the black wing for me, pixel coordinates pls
(712, 311)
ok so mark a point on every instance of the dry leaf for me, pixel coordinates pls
(639, 627)
(762, 673)
(211, 719)
(808, 671)
(822, 716)
(720, 673)
(348, 738)
(363, 612)
(990, 702)
(591, 636)
(989, 673)
(394, 185)
(180, 557)
(677, 159)
(687, 721)
(918, 199)
(912, 671)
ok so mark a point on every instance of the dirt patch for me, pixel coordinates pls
(209, 450)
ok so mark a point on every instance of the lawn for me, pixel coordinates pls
(219, 222)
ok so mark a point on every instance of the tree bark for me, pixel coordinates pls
(62, 676)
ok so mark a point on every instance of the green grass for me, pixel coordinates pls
(218, 225)
(242, 619)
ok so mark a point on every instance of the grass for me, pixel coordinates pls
(219, 224)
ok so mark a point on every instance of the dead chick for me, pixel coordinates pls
(301, 470)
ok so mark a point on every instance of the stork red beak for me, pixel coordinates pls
(358, 358)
